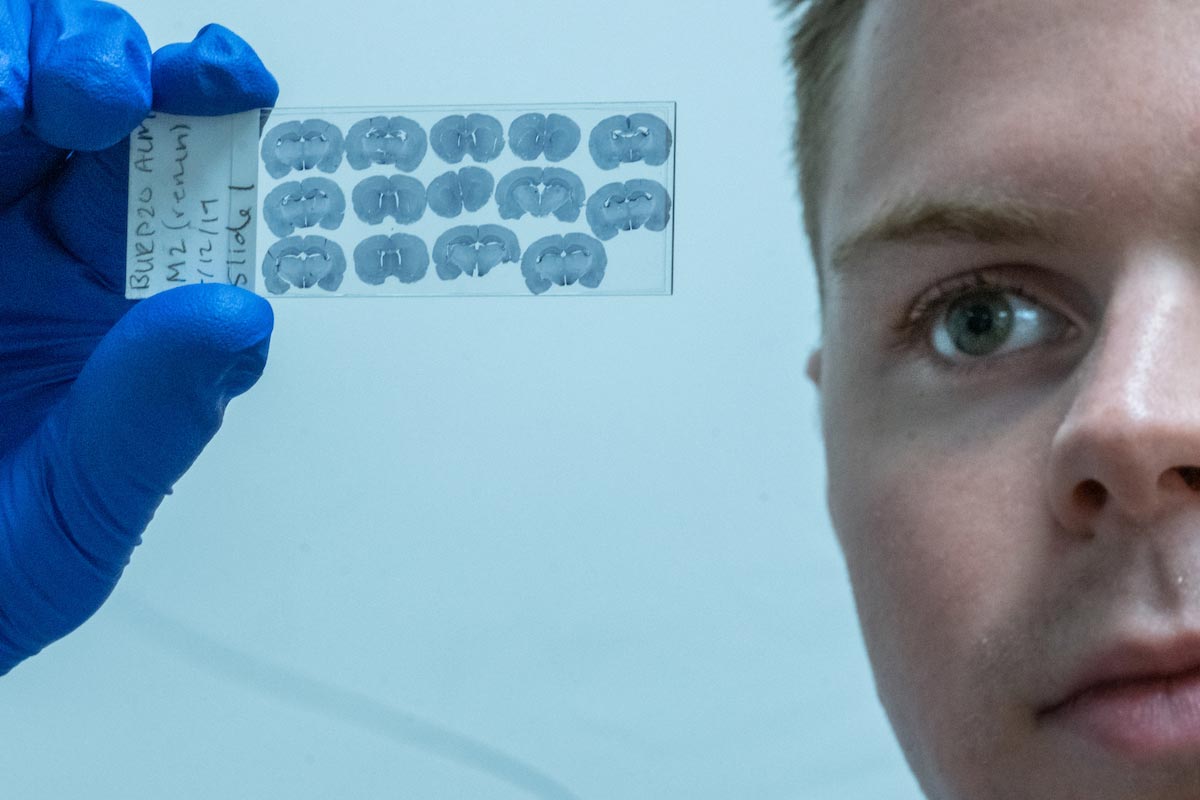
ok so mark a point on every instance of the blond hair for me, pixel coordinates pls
(819, 49)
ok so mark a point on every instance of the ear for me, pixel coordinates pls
(814, 366)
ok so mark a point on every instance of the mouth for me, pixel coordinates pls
(1139, 699)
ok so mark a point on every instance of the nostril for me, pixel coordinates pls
(1090, 494)
(1191, 476)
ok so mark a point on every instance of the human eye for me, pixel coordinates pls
(969, 324)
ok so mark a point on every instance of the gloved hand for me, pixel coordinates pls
(104, 402)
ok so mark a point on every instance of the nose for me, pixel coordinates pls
(1129, 445)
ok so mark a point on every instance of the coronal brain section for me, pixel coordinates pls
(400, 254)
(531, 135)
(399, 196)
(303, 204)
(480, 135)
(303, 262)
(624, 140)
(301, 146)
(562, 261)
(540, 192)
(469, 188)
(474, 251)
(628, 206)
(386, 140)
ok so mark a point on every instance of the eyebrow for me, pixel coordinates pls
(988, 218)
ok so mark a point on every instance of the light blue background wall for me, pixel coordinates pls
(499, 548)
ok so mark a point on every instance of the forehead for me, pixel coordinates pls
(1081, 102)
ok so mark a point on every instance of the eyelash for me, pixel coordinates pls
(912, 333)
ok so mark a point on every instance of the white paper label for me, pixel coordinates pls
(193, 202)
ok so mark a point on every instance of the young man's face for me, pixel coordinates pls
(1005, 526)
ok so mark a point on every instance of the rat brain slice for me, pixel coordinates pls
(451, 192)
(532, 135)
(302, 146)
(625, 140)
(480, 135)
(474, 251)
(386, 140)
(628, 206)
(303, 262)
(540, 192)
(562, 261)
(400, 254)
(303, 204)
(400, 196)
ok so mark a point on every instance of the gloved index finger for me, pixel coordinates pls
(89, 65)
(14, 63)
(216, 73)
(74, 75)
(25, 160)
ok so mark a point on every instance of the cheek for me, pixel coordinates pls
(940, 559)
(916, 577)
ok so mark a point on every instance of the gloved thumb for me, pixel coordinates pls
(77, 495)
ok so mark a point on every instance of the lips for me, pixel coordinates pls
(1139, 700)
(1130, 661)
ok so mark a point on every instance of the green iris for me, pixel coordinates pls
(980, 323)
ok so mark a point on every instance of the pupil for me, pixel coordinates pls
(982, 325)
(979, 319)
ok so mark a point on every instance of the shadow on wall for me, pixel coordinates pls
(332, 702)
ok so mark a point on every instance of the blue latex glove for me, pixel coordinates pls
(104, 402)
